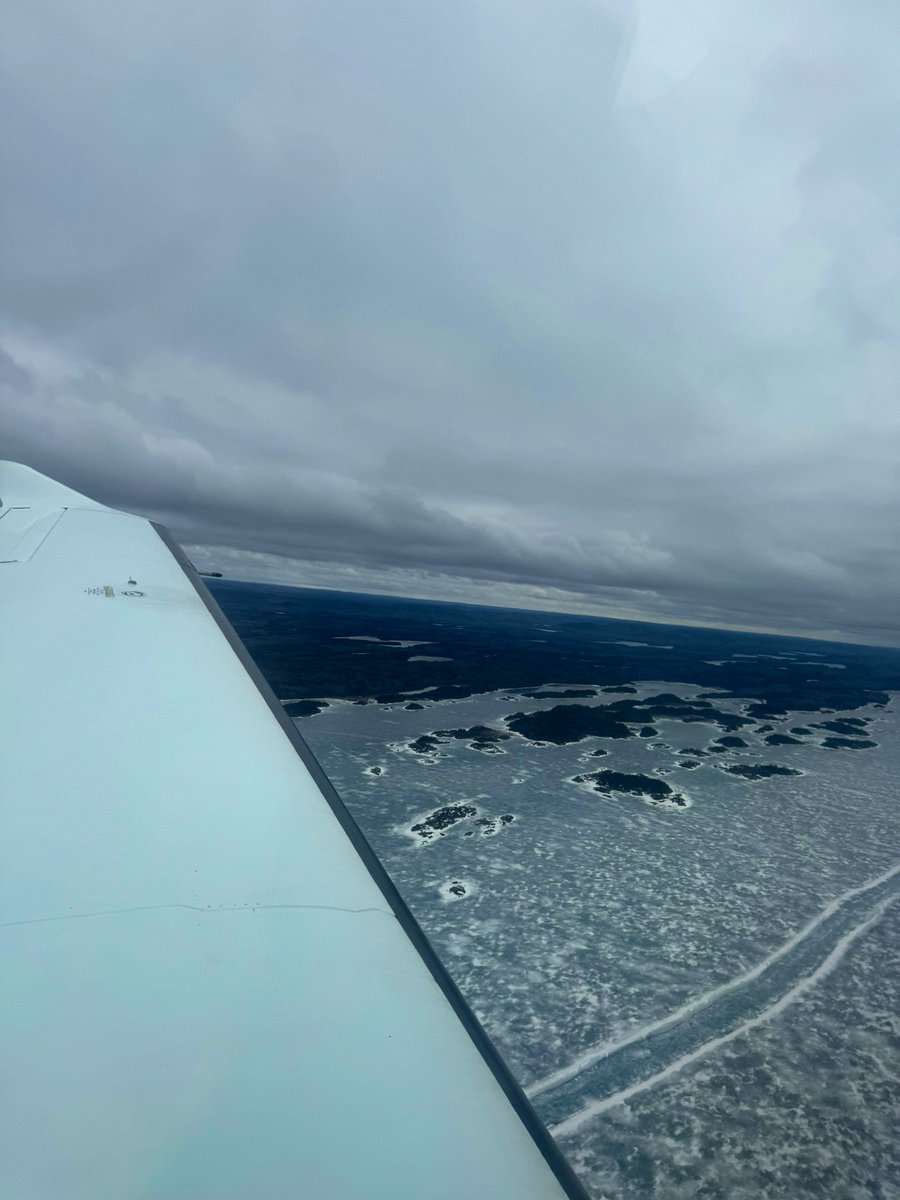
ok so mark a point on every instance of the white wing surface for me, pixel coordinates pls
(210, 989)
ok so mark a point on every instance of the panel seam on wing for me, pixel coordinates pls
(206, 910)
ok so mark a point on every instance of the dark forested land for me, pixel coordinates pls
(299, 636)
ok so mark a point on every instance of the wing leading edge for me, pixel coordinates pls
(212, 989)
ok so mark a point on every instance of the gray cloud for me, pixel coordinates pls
(570, 305)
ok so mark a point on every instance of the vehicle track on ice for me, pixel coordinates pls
(606, 1075)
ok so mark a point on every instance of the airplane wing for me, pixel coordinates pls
(210, 988)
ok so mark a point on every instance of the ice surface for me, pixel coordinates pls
(625, 953)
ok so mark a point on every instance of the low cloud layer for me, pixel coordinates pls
(564, 305)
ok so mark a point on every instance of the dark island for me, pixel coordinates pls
(490, 825)
(845, 726)
(426, 744)
(759, 771)
(654, 791)
(836, 743)
(568, 723)
(304, 708)
(436, 824)
(572, 722)
(568, 694)
(475, 733)
(443, 820)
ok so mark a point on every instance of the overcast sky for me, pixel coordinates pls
(577, 304)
